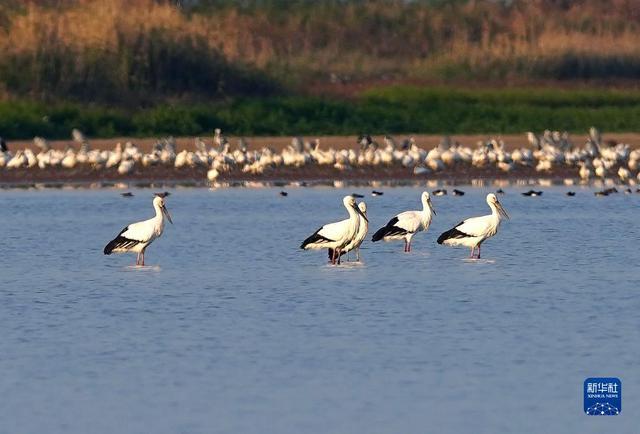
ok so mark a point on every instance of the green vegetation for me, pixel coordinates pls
(389, 110)
(152, 67)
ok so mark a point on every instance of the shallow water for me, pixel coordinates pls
(232, 328)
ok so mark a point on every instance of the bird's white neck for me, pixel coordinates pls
(354, 220)
(352, 212)
(159, 217)
(426, 212)
(495, 213)
(425, 205)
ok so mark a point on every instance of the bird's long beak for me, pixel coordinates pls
(361, 213)
(165, 211)
(431, 207)
(501, 210)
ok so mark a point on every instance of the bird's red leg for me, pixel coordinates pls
(478, 252)
(339, 254)
(473, 250)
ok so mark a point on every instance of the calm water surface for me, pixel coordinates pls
(233, 329)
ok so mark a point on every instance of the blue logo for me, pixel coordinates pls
(602, 396)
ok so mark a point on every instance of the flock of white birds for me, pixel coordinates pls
(550, 151)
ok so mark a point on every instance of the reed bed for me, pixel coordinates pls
(142, 51)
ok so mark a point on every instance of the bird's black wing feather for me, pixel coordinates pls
(120, 242)
(315, 238)
(389, 230)
(452, 233)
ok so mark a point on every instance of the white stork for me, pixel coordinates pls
(361, 234)
(137, 236)
(336, 235)
(473, 231)
(406, 224)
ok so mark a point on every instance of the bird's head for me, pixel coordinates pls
(426, 201)
(159, 203)
(493, 202)
(350, 202)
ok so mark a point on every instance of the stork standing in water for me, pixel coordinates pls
(474, 231)
(137, 236)
(406, 224)
(336, 235)
(361, 234)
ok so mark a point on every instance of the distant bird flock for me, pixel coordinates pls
(548, 153)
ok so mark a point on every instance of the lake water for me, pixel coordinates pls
(233, 329)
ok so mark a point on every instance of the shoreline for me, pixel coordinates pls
(280, 165)
(306, 176)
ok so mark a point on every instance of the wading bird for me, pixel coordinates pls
(336, 235)
(361, 234)
(137, 236)
(406, 224)
(473, 231)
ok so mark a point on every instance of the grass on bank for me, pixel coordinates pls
(397, 109)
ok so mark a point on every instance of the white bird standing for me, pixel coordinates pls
(406, 224)
(336, 235)
(472, 232)
(361, 234)
(137, 236)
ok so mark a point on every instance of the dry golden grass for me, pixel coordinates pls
(82, 43)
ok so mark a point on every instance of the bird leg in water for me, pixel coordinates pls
(138, 259)
(473, 255)
(409, 247)
(358, 254)
(405, 245)
(339, 254)
(142, 257)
